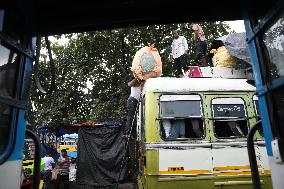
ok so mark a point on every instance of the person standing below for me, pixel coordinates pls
(130, 128)
(179, 53)
(63, 168)
(136, 89)
(200, 43)
(49, 164)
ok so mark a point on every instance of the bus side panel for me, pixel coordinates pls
(10, 174)
(228, 160)
(152, 131)
(10, 171)
(262, 159)
(205, 182)
(189, 162)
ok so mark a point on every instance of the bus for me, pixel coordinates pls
(21, 21)
(69, 142)
(192, 133)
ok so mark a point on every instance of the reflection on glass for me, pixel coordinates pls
(274, 41)
(181, 119)
(7, 72)
(5, 112)
(228, 110)
(180, 108)
(229, 119)
(278, 96)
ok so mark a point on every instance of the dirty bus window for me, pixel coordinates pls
(273, 39)
(7, 81)
(229, 117)
(181, 117)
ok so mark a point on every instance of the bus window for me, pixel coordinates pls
(229, 117)
(5, 112)
(7, 72)
(274, 43)
(29, 149)
(181, 117)
(273, 39)
(7, 88)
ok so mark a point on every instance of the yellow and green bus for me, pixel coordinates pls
(192, 134)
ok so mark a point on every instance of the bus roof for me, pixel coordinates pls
(167, 84)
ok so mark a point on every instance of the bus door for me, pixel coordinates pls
(230, 129)
(265, 37)
(15, 72)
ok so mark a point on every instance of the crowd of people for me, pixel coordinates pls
(58, 173)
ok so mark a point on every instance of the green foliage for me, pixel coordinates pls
(102, 59)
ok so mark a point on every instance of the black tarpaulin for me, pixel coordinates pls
(100, 154)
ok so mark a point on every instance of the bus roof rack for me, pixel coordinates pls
(218, 72)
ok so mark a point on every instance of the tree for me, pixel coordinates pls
(102, 60)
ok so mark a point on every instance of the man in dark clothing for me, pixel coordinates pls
(200, 43)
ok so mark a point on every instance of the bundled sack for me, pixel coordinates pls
(222, 58)
(147, 63)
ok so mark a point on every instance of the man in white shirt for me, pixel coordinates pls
(136, 89)
(48, 166)
(130, 127)
(179, 53)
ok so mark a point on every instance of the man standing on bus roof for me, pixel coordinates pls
(200, 43)
(179, 50)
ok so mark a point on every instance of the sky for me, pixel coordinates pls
(237, 25)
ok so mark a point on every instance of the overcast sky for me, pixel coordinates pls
(237, 25)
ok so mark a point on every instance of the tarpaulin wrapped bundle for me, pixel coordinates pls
(147, 63)
(231, 51)
(237, 46)
(223, 58)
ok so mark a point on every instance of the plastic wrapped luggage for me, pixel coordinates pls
(222, 58)
(147, 63)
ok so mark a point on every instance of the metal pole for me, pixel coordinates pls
(37, 158)
(252, 156)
